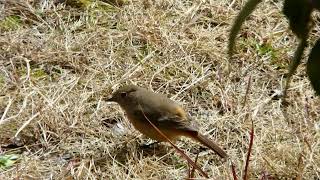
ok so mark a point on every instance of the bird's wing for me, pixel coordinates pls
(175, 122)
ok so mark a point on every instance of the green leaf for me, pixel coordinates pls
(298, 12)
(10, 23)
(7, 161)
(313, 67)
(244, 13)
(38, 73)
(265, 49)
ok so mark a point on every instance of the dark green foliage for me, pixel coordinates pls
(316, 4)
(313, 65)
(298, 13)
(244, 13)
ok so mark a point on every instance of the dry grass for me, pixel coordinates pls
(58, 62)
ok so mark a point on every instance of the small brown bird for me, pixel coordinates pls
(142, 106)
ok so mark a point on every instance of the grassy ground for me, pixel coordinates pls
(57, 62)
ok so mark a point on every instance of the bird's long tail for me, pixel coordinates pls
(210, 144)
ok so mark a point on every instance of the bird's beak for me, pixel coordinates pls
(109, 98)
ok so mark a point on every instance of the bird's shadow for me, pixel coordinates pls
(125, 153)
(153, 149)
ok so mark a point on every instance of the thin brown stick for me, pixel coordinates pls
(247, 92)
(191, 174)
(246, 169)
(233, 170)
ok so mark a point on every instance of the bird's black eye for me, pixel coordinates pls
(123, 94)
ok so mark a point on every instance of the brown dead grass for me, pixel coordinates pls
(58, 64)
